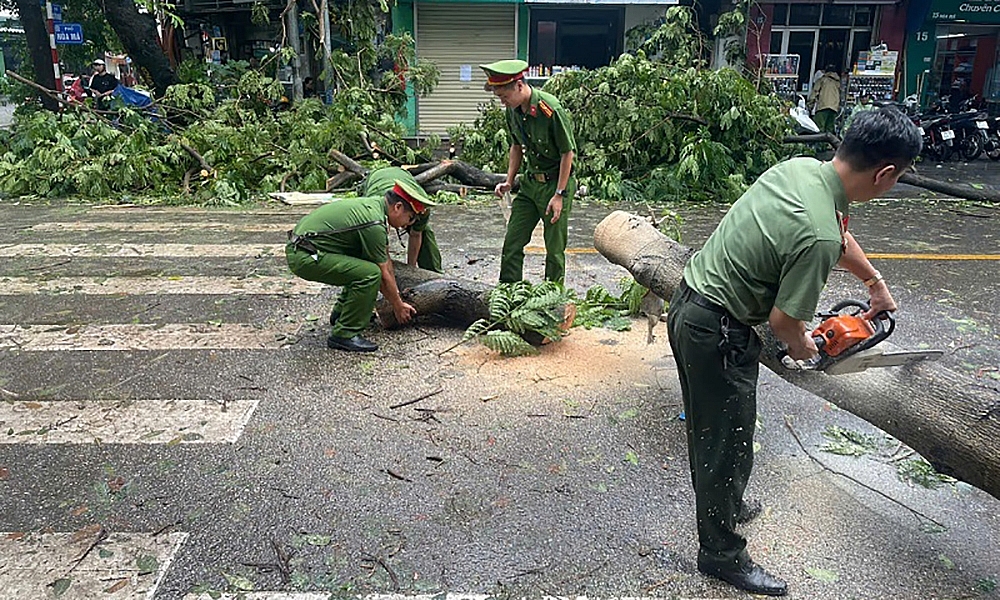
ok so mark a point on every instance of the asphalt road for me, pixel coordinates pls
(173, 425)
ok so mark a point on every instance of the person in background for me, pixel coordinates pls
(102, 84)
(825, 99)
(308, 88)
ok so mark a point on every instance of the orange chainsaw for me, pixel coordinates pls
(846, 342)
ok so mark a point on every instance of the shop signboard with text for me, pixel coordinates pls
(969, 11)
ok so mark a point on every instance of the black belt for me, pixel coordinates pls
(543, 177)
(689, 294)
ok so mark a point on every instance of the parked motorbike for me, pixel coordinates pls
(939, 139)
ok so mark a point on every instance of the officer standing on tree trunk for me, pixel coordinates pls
(541, 134)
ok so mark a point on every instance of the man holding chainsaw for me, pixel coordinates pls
(768, 261)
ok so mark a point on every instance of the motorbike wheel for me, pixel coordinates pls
(942, 151)
(971, 147)
(993, 148)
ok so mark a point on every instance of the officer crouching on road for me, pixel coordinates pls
(346, 243)
(421, 246)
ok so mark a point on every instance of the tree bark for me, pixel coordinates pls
(949, 419)
(459, 302)
(935, 185)
(36, 36)
(137, 32)
(987, 194)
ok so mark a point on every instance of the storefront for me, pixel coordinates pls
(551, 36)
(952, 50)
(823, 34)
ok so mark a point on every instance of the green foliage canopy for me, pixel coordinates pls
(656, 124)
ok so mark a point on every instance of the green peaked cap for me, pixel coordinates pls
(414, 195)
(505, 67)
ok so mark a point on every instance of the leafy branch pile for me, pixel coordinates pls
(657, 124)
(225, 135)
(519, 308)
(537, 311)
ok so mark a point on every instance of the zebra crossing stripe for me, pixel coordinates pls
(85, 564)
(439, 596)
(142, 250)
(147, 336)
(169, 422)
(141, 286)
(166, 227)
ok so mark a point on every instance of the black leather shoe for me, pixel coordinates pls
(750, 578)
(748, 511)
(334, 317)
(354, 344)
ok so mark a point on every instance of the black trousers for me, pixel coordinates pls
(717, 360)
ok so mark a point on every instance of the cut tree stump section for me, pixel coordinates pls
(948, 418)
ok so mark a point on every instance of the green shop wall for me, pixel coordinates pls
(402, 22)
(922, 43)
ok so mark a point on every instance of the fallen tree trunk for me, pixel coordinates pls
(949, 419)
(459, 302)
(964, 191)
(986, 194)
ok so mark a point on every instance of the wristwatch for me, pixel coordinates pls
(561, 192)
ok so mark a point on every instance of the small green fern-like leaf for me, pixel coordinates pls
(477, 328)
(507, 343)
(499, 303)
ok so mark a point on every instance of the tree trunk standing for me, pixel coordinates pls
(137, 33)
(941, 414)
(292, 33)
(36, 36)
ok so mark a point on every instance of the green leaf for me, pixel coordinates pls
(631, 458)
(508, 343)
(946, 562)
(147, 564)
(59, 586)
(315, 539)
(238, 582)
(824, 575)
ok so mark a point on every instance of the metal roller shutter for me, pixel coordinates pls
(452, 35)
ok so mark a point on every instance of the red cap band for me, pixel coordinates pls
(502, 78)
(417, 206)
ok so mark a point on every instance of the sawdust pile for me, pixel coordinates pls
(583, 359)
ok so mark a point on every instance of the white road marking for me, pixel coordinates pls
(166, 226)
(140, 286)
(124, 566)
(124, 422)
(148, 336)
(447, 596)
(142, 250)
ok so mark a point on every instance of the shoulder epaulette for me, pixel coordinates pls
(546, 109)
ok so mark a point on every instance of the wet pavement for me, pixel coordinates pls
(184, 400)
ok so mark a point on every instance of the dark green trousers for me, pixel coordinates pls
(360, 280)
(528, 207)
(720, 403)
(826, 119)
(429, 256)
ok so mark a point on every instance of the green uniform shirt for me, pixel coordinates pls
(370, 243)
(545, 132)
(381, 181)
(777, 245)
